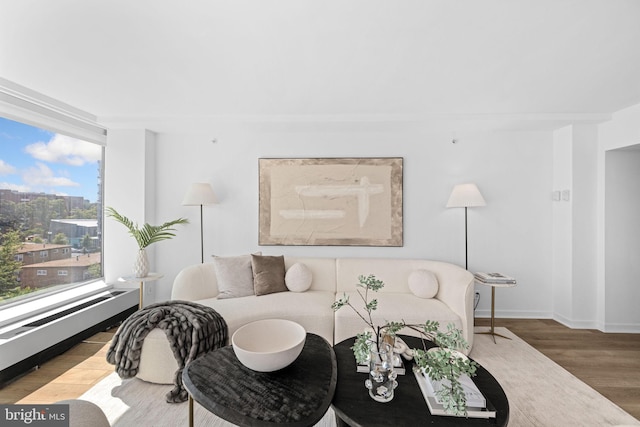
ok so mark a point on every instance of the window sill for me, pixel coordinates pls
(29, 309)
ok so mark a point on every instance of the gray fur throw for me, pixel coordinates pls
(192, 330)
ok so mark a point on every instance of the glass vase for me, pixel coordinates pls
(382, 376)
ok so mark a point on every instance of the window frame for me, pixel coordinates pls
(27, 106)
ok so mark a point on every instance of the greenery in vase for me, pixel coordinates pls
(441, 363)
(147, 234)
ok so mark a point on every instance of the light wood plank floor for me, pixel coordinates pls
(610, 363)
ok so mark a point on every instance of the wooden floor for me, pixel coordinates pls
(610, 363)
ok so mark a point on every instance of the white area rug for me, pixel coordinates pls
(540, 392)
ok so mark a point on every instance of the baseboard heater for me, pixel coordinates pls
(32, 342)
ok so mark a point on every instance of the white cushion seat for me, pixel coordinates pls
(317, 316)
(157, 362)
(393, 307)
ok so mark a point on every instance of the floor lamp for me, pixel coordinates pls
(199, 194)
(465, 196)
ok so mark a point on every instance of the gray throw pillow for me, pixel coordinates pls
(268, 274)
(234, 276)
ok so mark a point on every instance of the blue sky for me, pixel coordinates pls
(34, 159)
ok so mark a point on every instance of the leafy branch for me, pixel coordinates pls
(443, 363)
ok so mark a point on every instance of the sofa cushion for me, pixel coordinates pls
(234, 276)
(393, 307)
(311, 309)
(268, 274)
(298, 277)
(423, 283)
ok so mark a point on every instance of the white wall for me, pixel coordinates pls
(562, 230)
(622, 239)
(511, 234)
(129, 187)
(614, 283)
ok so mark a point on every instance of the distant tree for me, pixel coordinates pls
(9, 267)
(95, 271)
(86, 242)
(60, 239)
(90, 212)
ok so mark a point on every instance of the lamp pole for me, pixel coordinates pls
(201, 237)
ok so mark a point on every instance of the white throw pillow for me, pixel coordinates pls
(423, 283)
(298, 277)
(235, 276)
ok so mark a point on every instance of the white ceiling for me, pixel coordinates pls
(153, 61)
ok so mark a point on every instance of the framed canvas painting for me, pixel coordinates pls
(331, 201)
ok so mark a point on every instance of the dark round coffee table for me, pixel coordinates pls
(298, 395)
(354, 407)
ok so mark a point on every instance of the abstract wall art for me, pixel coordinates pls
(331, 201)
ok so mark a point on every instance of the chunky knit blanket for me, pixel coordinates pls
(192, 330)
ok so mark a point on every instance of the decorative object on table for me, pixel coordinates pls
(465, 196)
(268, 345)
(199, 194)
(479, 407)
(440, 364)
(331, 202)
(145, 236)
(495, 280)
(382, 376)
(192, 330)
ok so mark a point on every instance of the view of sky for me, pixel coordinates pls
(34, 159)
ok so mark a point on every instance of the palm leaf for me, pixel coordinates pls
(147, 234)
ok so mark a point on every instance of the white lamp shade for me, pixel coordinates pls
(465, 195)
(199, 193)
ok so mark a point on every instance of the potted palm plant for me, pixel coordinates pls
(145, 235)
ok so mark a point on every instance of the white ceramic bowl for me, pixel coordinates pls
(268, 345)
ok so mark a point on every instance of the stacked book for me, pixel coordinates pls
(496, 278)
(477, 404)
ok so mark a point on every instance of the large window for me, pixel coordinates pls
(50, 211)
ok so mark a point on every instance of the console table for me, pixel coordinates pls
(494, 285)
(354, 407)
(298, 395)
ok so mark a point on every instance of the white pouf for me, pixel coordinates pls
(157, 362)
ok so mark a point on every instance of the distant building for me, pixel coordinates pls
(33, 253)
(63, 271)
(71, 202)
(75, 229)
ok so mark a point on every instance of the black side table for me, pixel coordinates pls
(354, 407)
(298, 395)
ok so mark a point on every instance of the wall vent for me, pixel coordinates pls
(38, 334)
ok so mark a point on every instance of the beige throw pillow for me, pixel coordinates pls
(234, 275)
(423, 283)
(298, 278)
(268, 274)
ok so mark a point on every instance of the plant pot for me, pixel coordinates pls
(382, 377)
(141, 266)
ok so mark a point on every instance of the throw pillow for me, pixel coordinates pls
(268, 274)
(298, 277)
(423, 283)
(234, 275)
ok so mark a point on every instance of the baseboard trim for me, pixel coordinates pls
(14, 371)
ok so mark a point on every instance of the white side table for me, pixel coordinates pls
(151, 277)
(492, 331)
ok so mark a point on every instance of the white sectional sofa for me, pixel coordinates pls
(331, 279)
